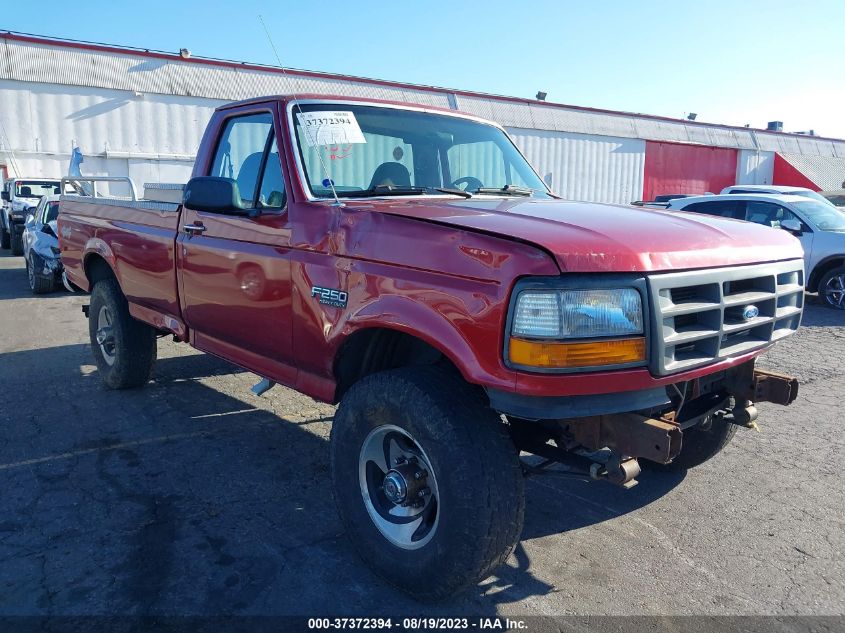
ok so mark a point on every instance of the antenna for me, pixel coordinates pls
(308, 131)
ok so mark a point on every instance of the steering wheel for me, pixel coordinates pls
(471, 183)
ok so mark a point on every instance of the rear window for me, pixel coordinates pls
(36, 188)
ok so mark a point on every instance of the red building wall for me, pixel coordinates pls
(679, 168)
(784, 173)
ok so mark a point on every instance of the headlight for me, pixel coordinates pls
(558, 316)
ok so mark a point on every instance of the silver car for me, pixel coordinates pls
(819, 225)
(41, 247)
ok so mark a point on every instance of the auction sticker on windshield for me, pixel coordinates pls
(330, 128)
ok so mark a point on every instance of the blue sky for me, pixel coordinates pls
(733, 62)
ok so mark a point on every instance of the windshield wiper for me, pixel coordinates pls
(508, 190)
(452, 190)
(383, 190)
(392, 190)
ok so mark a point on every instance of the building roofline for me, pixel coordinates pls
(225, 63)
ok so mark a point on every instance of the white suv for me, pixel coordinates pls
(786, 190)
(819, 225)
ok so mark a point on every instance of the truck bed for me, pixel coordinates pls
(136, 237)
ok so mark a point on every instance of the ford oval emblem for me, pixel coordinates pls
(750, 312)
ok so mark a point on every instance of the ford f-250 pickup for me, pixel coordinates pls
(408, 264)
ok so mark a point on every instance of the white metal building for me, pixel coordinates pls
(141, 114)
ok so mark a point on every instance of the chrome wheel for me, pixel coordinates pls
(399, 487)
(834, 291)
(105, 335)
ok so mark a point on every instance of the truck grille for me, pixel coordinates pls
(703, 316)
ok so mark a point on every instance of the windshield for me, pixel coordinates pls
(824, 215)
(36, 188)
(806, 193)
(373, 151)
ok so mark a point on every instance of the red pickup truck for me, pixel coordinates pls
(408, 263)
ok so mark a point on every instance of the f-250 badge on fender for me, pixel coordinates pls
(330, 296)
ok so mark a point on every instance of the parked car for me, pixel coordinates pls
(819, 226)
(662, 200)
(20, 197)
(787, 190)
(836, 197)
(41, 246)
(431, 284)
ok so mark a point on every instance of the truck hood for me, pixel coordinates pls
(593, 237)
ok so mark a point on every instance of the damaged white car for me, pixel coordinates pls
(41, 247)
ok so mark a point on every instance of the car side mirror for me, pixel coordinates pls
(215, 195)
(793, 226)
(30, 220)
(5, 196)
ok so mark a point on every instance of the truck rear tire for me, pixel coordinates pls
(426, 480)
(123, 347)
(16, 241)
(700, 443)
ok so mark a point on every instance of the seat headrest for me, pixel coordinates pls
(395, 174)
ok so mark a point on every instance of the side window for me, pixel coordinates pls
(240, 150)
(721, 208)
(51, 212)
(768, 213)
(272, 191)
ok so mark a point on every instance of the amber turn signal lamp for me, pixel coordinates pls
(557, 355)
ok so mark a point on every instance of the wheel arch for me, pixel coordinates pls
(822, 268)
(372, 349)
(97, 268)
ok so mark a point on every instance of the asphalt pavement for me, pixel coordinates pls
(194, 497)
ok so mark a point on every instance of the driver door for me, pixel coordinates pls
(235, 284)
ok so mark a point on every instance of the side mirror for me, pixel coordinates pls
(793, 226)
(30, 220)
(5, 196)
(215, 195)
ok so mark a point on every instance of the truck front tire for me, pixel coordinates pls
(5, 237)
(426, 479)
(123, 347)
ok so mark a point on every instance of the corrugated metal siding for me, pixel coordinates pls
(586, 167)
(754, 167)
(674, 168)
(785, 173)
(825, 172)
(57, 64)
(46, 118)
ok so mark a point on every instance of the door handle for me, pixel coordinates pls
(193, 229)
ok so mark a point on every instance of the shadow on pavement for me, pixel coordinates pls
(818, 314)
(181, 499)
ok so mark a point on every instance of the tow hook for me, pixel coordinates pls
(748, 386)
(745, 416)
(770, 386)
(618, 471)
